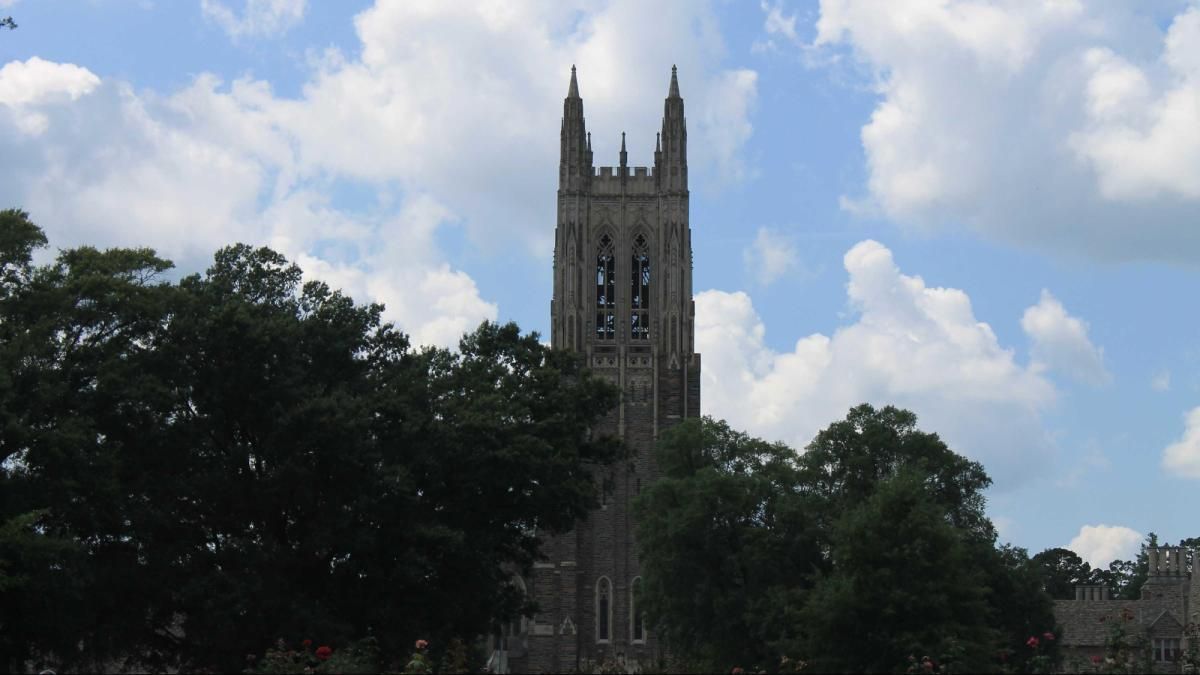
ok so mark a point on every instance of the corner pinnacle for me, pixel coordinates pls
(674, 92)
(573, 90)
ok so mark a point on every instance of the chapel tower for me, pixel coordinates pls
(623, 299)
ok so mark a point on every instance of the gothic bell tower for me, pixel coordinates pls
(622, 299)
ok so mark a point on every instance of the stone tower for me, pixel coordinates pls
(623, 299)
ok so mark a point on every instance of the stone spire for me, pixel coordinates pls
(671, 162)
(673, 93)
(624, 155)
(575, 157)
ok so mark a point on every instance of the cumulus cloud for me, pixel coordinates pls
(463, 101)
(38, 81)
(202, 168)
(26, 84)
(447, 116)
(259, 18)
(912, 345)
(1060, 341)
(1099, 545)
(1183, 456)
(1065, 125)
(771, 256)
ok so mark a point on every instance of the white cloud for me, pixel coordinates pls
(914, 346)
(203, 168)
(1060, 341)
(259, 18)
(770, 257)
(463, 100)
(7, 3)
(39, 81)
(1099, 545)
(1161, 381)
(448, 115)
(1066, 125)
(1144, 143)
(26, 84)
(776, 23)
(1183, 456)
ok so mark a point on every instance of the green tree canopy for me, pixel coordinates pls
(211, 464)
(871, 546)
(1061, 571)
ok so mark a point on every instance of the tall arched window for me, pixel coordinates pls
(639, 290)
(637, 620)
(606, 290)
(603, 610)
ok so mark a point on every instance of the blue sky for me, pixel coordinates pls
(987, 212)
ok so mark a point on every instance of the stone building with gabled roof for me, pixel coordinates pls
(1165, 617)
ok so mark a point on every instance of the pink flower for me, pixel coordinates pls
(1032, 642)
(324, 652)
(1048, 636)
(422, 644)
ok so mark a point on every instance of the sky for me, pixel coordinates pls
(985, 212)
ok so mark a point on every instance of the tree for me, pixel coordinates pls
(241, 456)
(7, 22)
(903, 583)
(1061, 570)
(725, 542)
(871, 546)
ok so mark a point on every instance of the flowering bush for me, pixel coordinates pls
(1125, 651)
(360, 657)
(419, 662)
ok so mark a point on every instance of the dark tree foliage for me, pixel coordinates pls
(1061, 570)
(723, 536)
(870, 547)
(194, 469)
(7, 22)
(903, 582)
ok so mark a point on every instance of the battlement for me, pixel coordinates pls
(1167, 561)
(638, 179)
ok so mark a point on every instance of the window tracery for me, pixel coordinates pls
(606, 290)
(603, 610)
(639, 320)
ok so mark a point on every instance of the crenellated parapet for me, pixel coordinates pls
(629, 180)
(1167, 561)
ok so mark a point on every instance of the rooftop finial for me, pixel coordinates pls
(573, 91)
(589, 141)
(624, 155)
(674, 92)
(622, 141)
(657, 145)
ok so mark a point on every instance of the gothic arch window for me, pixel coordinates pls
(637, 618)
(606, 289)
(603, 610)
(639, 289)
